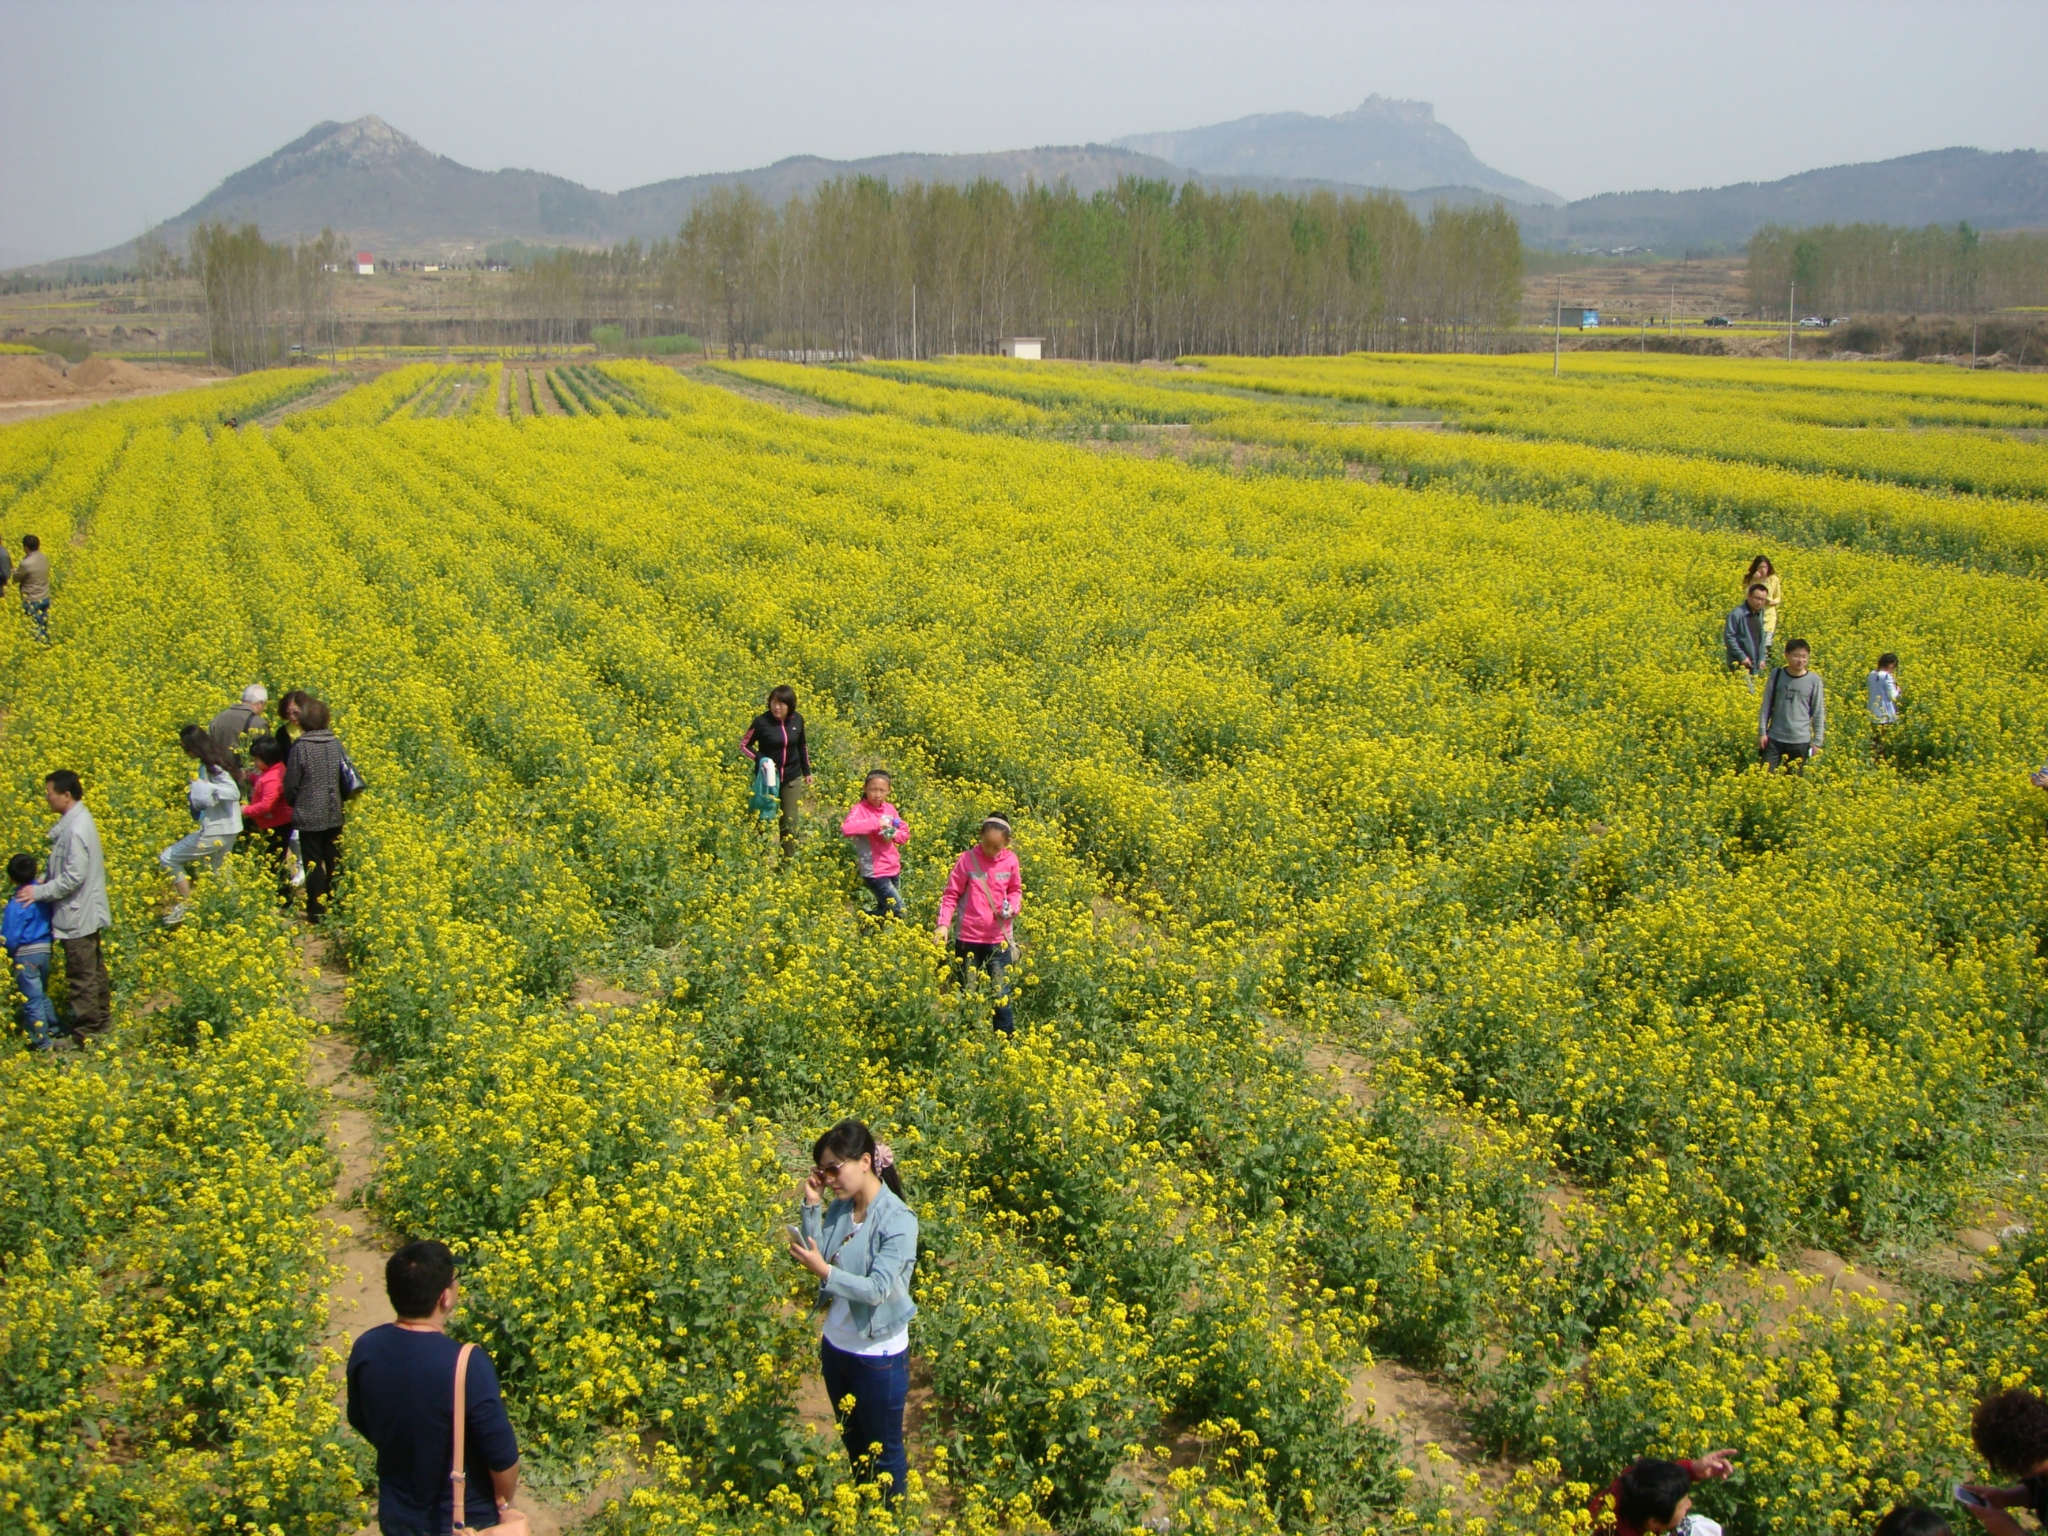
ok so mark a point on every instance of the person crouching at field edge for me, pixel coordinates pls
(2010, 1431)
(862, 1246)
(878, 832)
(1794, 718)
(1655, 1495)
(986, 890)
(1742, 637)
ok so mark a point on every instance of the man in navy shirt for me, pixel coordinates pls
(401, 1398)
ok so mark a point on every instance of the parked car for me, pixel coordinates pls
(1718, 320)
(1814, 323)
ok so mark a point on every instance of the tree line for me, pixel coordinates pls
(257, 299)
(1142, 270)
(863, 267)
(1881, 269)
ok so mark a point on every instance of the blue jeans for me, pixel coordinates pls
(878, 1385)
(39, 615)
(888, 901)
(995, 960)
(37, 1014)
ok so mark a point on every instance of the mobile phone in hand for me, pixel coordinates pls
(1963, 1495)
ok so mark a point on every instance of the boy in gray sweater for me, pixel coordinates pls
(1794, 718)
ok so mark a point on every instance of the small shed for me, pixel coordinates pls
(1030, 347)
(366, 264)
(1581, 317)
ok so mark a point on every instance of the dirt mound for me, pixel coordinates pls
(30, 378)
(111, 374)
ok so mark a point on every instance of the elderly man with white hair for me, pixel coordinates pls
(229, 728)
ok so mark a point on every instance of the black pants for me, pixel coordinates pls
(994, 960)
(321, 854)
(1791, 755)
(89, 989)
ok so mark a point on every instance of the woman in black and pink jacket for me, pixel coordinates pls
(777, 739)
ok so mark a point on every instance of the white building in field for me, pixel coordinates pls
(366, 264)
(1030, 347)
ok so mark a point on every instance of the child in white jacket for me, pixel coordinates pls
(215, 796)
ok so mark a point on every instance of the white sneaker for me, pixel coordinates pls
(177, 914)
(298, 873)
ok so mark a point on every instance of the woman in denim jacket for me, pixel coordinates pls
(862, 1246)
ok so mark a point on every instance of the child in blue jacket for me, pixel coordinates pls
(26, 928)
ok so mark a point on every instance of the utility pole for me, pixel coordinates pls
(1791, 308)
(913, 322)
(1671, 314)
(1557, 337)
(1973, 345)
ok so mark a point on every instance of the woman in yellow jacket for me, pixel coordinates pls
(1761, 570)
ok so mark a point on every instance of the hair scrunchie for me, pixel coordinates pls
(884, 1157)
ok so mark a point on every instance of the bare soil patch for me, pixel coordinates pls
(43, 384)
(766, 394)
(355, 1297)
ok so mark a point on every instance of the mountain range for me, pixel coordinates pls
(388, 193)
(1383, 143)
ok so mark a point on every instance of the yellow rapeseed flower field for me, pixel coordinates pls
(1417, 965)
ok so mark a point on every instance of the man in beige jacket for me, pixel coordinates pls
(34, 580)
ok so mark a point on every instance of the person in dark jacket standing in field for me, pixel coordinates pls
(1794, 718)
(776, 743)
(401, 1398)
(315, 790)
(1743, 636)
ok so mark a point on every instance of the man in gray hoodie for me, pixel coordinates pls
(1794, 718)
(76, 883)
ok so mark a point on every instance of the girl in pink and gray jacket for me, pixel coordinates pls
(986, 891)
(878, 832)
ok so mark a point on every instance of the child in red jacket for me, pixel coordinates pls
(878, 832)
(986, 889)
(267, 809)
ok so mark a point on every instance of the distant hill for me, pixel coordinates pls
(1382, 143)
(1942, 186)
(389, 194)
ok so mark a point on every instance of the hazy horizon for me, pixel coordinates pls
(109, 121)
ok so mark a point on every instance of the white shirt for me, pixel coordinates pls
(842, 1335)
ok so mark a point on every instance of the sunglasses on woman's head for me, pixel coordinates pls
(829, 1170)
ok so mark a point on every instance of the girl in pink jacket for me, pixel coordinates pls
(986, 890)
(877, 831)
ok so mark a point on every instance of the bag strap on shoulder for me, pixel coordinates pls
(459, 1476)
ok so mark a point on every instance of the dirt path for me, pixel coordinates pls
(543, 393)
(767, 394)
(326, 394)
(355, 1299)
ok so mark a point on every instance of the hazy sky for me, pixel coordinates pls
(113, 113)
